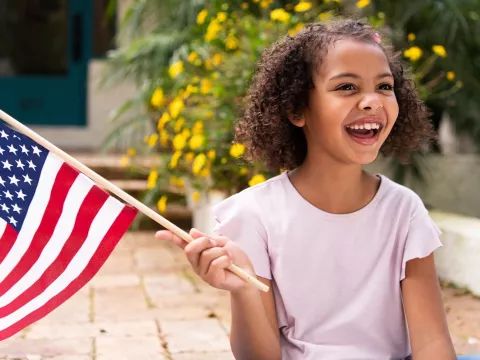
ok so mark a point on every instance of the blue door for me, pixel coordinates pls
(44, 51)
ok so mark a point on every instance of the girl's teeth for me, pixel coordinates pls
(365, 126)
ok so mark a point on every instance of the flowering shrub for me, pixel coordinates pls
(197, 99)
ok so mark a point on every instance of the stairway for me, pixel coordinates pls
(109, 166)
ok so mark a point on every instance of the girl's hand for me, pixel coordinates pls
(209, 257)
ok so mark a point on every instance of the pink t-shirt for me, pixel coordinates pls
(336, 278)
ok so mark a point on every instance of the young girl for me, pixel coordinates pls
(348, 255)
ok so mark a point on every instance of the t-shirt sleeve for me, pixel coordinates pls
(423, 237)
(237, 220)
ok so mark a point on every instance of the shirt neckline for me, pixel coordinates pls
(378, 195)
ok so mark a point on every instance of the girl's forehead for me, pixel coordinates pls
(353, 56)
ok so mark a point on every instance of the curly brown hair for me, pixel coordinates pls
(280, 89)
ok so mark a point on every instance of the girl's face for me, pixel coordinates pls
(352, 108)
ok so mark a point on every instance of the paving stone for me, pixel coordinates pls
(157, 259)
(47, 347)
(194, 336)
(117, 280)
(158, 286)
(117, 264)
(119, 303)
(133, 348)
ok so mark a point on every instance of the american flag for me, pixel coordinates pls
(57, 228)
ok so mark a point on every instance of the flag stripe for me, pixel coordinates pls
(63, 181)
(34, 215)
(7, 240)
(61, 248)
(102, 252)
(3, 226)
(103, 221)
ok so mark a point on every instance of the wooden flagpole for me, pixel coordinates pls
(120, 193)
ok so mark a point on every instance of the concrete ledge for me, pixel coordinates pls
(458, 261)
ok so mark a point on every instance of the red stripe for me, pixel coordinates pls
(64, 180)
(92, 203)
(6, 242)
(110, 240)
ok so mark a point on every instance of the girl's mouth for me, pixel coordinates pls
(366, 134)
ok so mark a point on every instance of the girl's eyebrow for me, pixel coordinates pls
(355, 76)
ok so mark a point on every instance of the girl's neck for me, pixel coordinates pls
(333, 186)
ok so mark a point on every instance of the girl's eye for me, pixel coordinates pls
(387, 87)
(346, 87)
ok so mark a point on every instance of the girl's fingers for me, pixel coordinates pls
(194, 250)
(207, 257)
(216, 267)
(170, 236)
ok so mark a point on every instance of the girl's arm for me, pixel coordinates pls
(254, 333)
(427, 324)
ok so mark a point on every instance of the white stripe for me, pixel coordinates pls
(76, 195)
(34, 215)
(3, 226)
(100, 225)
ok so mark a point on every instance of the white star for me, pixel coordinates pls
(8, 195)
(12, 149)
(16, 208)
(1, 151)
(27, 179)
(24, 149)
(4, 134)
(14, 180)
(6, 165)
(16, 137)
(36, 150)
(20, 164)
(21, 195)
(5, 208)
(12, 221)
(2, 182)
(31, 165)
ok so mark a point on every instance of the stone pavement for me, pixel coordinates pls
(146, 304)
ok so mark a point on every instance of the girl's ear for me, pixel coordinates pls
(297, 120)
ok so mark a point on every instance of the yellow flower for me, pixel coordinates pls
(179, 124)
(414, 53)
(179, 142)
(450, 75)
(202, 15)
(176, 69)
(163, 120)
(198, 163)
(217, 59)
(206, 86)
(192, 56)
(411, 37)
(244, 6)
(157, 99)
(211, 154)
(303, 6)
(196, 196)
(124, 161)
(189, 156)
(132, 152)
(232, 42)
(362, 3)
(162, 204)
(176, 181)
(205, 172)
(196, 141)
(152, 140)
(243, 171)
(209, 114)
(439, 50)
(257, 179)
(212, 30)
(221, 16)
(237, 150)
(296, 29)
(176, 107)
(191, 89)
(280, 15)
(152, 179)
(197, 128)
(208, 64)
(265, 3)
(325, 16)
(224, 160)
(163, 137)
(174, 160)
